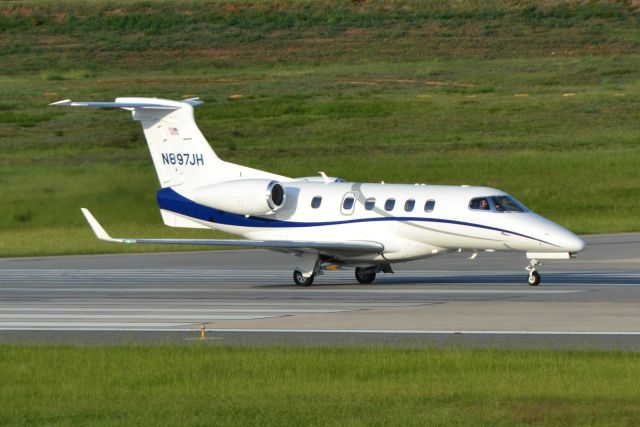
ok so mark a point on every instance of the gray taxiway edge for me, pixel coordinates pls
(247, 297)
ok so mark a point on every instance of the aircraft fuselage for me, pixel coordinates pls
(411, 221)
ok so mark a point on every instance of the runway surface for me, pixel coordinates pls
(248, 297)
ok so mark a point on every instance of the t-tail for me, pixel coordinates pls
(184, 161)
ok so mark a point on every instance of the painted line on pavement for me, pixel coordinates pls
(305, 291)
(167, 327)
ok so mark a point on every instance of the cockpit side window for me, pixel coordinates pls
(480, 203)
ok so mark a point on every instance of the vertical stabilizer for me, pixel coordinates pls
(181, 154)
(179, 151)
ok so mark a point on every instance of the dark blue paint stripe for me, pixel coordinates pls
(169, 200)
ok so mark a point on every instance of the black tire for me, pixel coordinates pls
(301, 280)
(534, 279)
(365, 276)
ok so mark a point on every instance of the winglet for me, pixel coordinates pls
(97, 228)
(63, 102)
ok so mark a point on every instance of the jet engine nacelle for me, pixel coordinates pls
(244, 196)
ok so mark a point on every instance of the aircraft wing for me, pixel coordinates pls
(351, 247)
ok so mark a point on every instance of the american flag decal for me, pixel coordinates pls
(173, 131)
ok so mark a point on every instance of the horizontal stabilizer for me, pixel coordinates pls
(139, 105)
(362, 247)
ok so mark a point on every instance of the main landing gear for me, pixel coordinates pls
(534, 276)
(365, 275)
(301, 280)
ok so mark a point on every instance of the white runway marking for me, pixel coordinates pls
(419, 331)
(94, 326)
(186, 310)
(194, 306)
(185, 318)
(361, 290)
(171, 327)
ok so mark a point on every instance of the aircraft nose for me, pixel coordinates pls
(571, 243)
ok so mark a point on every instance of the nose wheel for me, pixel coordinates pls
(534, 276)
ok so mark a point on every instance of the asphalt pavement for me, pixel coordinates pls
(247, 297)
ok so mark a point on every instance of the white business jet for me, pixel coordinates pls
(327, 223)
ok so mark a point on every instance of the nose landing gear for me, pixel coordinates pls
(534, 276)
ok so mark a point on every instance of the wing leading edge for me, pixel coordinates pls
(352, 247)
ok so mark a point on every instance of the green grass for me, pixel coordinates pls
(168, 34)
(541, 101)
(211, 385)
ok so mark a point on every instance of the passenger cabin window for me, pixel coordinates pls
(409, 205)
(429, 205)
(316, 202)
(370, 203)
(389, 204)
(347, 204)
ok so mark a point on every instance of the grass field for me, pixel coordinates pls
(210, 385)
(541, 101)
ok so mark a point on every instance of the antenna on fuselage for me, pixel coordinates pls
(325, 178)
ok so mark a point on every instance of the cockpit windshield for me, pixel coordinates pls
(501, 203)
(506, 204)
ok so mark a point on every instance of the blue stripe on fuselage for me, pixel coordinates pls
(170, 200)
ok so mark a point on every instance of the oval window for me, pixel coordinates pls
(409, 205)
(429, 205)
(347, 204)
(370, 203)
(389, 204)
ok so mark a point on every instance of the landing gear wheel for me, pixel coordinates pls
(534, 278)
(365, 275)
(301, 280)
